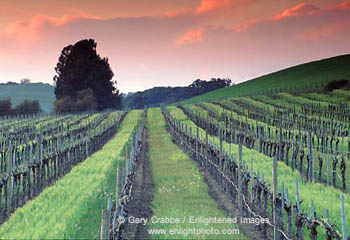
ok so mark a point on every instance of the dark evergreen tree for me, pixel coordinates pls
(80, 67)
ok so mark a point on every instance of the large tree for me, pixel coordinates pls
(80, 67)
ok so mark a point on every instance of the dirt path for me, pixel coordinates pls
(143, 189)
(227, 204)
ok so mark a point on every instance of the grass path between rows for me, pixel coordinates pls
(72, 207)
(180, 189)
(324, 197)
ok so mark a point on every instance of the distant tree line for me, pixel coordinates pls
(26, 107)
(165, 95)
(23, 81)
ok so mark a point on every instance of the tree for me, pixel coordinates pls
(64, 104)
(11, 83)
(85, 101)
(27, 107)
(211, 85)
(80, 67)
(5, 107)
(139, 100)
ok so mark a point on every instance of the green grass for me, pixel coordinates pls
(72, 207)
(180, 190)
(342, 94)
(44, 93)
(322, 71)
(324, 197)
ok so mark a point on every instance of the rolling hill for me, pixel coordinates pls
(320, 72)
(44, 93)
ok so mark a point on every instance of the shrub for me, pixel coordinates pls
(5, 107)
(84, 101)
(27, 107)
(337, 84)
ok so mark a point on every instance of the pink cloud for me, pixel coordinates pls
(345, 6)
(330, 31)
(302, 9)
(244, 26)
(206, 6)
(191, 36)
(175, 13)
(209, 5)
(23, 31)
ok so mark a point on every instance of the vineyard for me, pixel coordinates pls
(35, 152)
(68, 208)
(283, 157)
(307, 135)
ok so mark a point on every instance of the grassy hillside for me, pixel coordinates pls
(44, 93)
(323, 71)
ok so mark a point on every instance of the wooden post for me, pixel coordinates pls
(297, 193)
(343, 216)
(114, 224)
(104, 234)
(10, 183)
(206, 148)
(251, 181)
(126, 162)
(310, 157)
(117, 192)
(280, 145)
(197, 139)
(274, 176)
(289, 215)
(327, 163)
(282, 197)
(312, 165)
(239, 176)
(109, 205)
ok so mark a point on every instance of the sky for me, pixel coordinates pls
(172, 42)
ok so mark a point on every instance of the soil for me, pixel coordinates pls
(143, 190)
(226, 203)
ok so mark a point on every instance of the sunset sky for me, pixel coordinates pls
(172, 42)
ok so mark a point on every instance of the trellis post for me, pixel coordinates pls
(343, 216)
(239, 176)
(10, 184)
(274, 176)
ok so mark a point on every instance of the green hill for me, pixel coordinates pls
(44, 93)
(320, 72)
